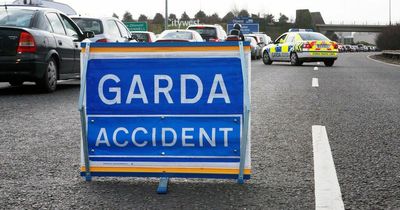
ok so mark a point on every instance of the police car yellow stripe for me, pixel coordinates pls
(285, 48)
(272, 49)
(167, 170)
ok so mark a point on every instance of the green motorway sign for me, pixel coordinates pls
(136, 26)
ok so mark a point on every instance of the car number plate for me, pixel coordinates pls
(323, 46)
(323, 53)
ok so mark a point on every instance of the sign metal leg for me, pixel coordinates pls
(82, 111)
(163, 185)
(243, 143)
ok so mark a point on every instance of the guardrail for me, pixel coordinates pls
(393, 54)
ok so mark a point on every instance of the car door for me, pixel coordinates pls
(276, 51)
(287, 46)
(125, 34)
(74, 33)
(65, 45)
(113, 31)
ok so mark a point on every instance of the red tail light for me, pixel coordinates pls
(26, 43)
(102, 40)
(307, 45)
(233, 38)
(335, 45)
(214, 40)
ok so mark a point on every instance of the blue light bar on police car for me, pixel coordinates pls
(300, 30)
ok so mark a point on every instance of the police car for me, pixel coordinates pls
(301, 45)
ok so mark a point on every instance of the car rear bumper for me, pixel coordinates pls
(13, 68)
(317, 56)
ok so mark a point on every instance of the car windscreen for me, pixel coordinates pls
(141, 37)
(313, 36)
(205, 32)
(16, 17)
(252, 41)
(254, 38)
(178, 35)
(88, 24)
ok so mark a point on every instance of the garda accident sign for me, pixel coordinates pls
(165, 110)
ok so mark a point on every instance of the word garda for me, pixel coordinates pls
(162, 84)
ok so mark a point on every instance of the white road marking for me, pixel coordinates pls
(316, 68)
(314, 82)
(327, 189)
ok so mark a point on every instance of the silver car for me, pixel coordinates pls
(179, 35)
(107, 29)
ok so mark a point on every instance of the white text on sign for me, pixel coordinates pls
(137, 91)
(122, 137)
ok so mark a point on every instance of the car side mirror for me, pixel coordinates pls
(88, 34)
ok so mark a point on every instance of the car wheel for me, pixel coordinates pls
(294, 60)
(48, 82)
(329, 63)
(266, 59)
(16, 83)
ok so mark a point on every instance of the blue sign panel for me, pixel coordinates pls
(165, 109)
(242, 20)
(247, 28)
(165, 86)
(173, 139)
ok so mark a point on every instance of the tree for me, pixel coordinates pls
(172, 16)
(269, 18)
(115, 15)
(255, 16)
(244, 13)
(127, 17)
(158, 19)
(185, 17)
(388, 39)
(304, 19)
(283, 18)
(228, 17)
(142, 18)
(200, 15)
(214, 18)
(235, 11)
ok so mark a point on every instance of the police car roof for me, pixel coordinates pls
(300, 30)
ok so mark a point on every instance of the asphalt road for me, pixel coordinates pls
(358, 100)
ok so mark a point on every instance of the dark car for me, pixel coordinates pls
(144, 36)
(38, 44)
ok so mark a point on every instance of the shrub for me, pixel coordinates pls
(389, 38)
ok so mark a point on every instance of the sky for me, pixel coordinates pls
(340, 11)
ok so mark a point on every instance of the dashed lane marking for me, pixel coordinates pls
(327, 189)
(314, 82)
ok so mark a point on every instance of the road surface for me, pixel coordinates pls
(356, 102)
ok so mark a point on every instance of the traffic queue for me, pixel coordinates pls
(42, 45)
